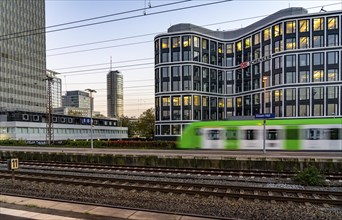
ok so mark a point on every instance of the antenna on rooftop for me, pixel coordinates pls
(322, 9)
(110, 63)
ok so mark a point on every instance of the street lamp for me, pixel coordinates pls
(91, 116)
(264, 80)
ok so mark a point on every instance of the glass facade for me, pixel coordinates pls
(115, 93)
(22, 58)
(300, 56)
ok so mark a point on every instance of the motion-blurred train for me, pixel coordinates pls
(281, 134)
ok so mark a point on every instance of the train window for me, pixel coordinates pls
(231, 134)
(272, 134)
(214, 135)
(25, 117)
(334, 134)
(54, 119)
(250, 134)
(313, 134)
(36, 118)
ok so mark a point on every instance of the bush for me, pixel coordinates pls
(310, 176)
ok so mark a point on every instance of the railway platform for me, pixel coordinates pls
(21, 208)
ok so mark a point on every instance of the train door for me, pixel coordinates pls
(213, 138)
(274, 138)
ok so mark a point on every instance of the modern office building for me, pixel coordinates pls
(78, 100)
(114, 94)
(56, 89)
(201, 74)
(22, 56)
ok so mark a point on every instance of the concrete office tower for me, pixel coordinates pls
(114, 94)
(22, 56)
(56, 89)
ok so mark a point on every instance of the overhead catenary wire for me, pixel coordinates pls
(114, 20)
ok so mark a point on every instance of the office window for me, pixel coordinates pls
(290, 43)
(197, 100)
(332, 23)
(332, 92)
(267, 66)
(304, 93)
(304, 42)
(256, 39)
(247, 43)
(290, 27)
(176, 85)
(304, 110)
(318, 41)
(290, 111)
(165, 101)
(164, 57)
(186, 100)
(229, 48)
(318, 76)
(196, 42)
(176, 101)
(318, 93)
(332, 40)
(318, 110)
(290, 94)
(304, 59)
(277, 30)
(165, 72)
(229, 102)
(318, 24)
(187, 85)
(278, 46)
(165, 43)
(318, 59)
(304, 26)
(239, 46)
(332, 75)
(278, 79)
(304, 76)
(278, 63)
(267, 34)
(267, 50)
(205, 44)
(332, 57)
(290, 61)
(186, 41)
(175, 56)
(290, 77)
(175, 42)
(165, 86)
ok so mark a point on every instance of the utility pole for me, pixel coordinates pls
(50, 75)
(91, 117)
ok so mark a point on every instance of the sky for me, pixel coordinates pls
(83, 55)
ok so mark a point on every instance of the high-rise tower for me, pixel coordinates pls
(114, 94)
(22, 55)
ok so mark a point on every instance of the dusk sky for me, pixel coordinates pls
(129, 41)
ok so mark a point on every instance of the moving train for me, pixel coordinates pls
(281, 134)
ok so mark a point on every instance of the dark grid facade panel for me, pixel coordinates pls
(202, 77)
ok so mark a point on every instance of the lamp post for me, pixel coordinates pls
(264, 80)
(91, 117)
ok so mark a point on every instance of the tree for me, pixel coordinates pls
(145, 124)
(130, 123)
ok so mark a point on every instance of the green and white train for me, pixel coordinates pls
(281, 134)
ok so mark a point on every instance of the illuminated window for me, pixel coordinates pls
(290, 43)
(221, 103)
(278, 95)
(267, 34)
(256, 38)
(332, 23)
(197, 100)
(204, 44)
(278, 46)
(205, 101)
(166, 101)
(318, 75)
(165, 43)
(229, 102)
(229, 48)
(304, 42)
(277, 30)
(176, 101)
(196, 42)
(175, 42)
(318, 24)
(220, 48)
(291, 27)
(304, 26)
(157, 102)
(332, 74)
(186, 100)
(239, 102)
(239, 46)
(186, 41)
(247, 43)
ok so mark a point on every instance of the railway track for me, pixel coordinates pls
(162, 170)
(185, 188)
